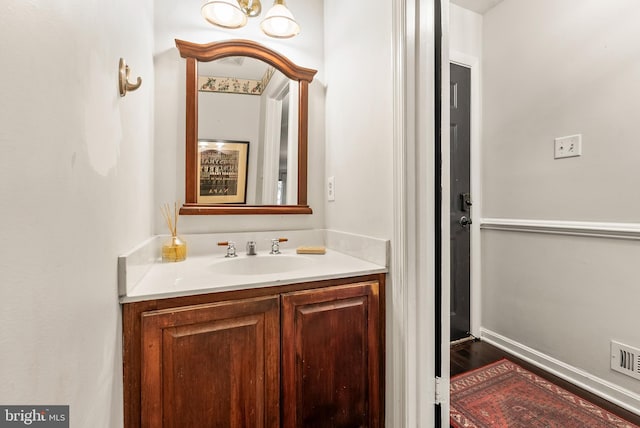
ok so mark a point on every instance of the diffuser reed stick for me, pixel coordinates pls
(175, 223)
(172, 221)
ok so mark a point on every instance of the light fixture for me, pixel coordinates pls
(278, 22)
(230, 13)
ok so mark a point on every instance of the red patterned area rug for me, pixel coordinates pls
(503, 394)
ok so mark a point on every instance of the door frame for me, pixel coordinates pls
(473, 63)
(412, 385)
(442, 96)
(411, 326)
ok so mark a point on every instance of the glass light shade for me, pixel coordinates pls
(224, 13)
(279, 22)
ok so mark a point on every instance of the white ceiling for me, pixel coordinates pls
(478, 6)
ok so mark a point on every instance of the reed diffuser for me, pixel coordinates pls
(176, 249)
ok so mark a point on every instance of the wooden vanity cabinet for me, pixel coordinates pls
(302, 355)
(331, 357)
(212, 362)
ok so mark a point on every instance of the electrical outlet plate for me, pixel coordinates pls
(331, 188)
(568, 147)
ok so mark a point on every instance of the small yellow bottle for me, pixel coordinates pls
(175, 250)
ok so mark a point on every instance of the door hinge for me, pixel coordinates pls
(438, 390)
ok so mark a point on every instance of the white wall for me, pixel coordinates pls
(553, 69)
(465, 36)
(75, 180)
(183, 21)
(359, 122)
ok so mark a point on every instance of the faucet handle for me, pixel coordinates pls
(275, 245)
(231, 248)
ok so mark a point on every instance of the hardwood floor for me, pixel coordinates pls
(470, 355)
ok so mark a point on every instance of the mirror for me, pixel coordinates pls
(246, 130)
(257, 105)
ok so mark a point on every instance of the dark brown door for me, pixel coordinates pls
(212, 365)
(460, 201)
(331, 357)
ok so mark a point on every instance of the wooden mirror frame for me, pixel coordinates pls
(193, 53)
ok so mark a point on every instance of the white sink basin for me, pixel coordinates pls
(260, 265)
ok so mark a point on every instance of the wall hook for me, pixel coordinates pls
(124, 83)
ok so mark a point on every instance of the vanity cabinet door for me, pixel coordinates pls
(212, 365)
(332, 356)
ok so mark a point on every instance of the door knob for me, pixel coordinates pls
(465, 221)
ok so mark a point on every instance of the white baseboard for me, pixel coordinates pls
(622, 397)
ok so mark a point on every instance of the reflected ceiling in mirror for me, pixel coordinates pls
(240, 90)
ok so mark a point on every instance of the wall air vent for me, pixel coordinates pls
(625, 359)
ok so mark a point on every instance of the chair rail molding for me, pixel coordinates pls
(610, 230)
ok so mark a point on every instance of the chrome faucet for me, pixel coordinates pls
(251, 248)
(275, 245)
(231, 248)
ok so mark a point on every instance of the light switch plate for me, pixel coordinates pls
(568, 147)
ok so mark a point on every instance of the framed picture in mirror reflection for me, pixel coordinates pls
(222, 171)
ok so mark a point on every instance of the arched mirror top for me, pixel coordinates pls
(268, 172)
(217, 50)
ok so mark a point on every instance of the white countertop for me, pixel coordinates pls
(143, 276)
(197, 274)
